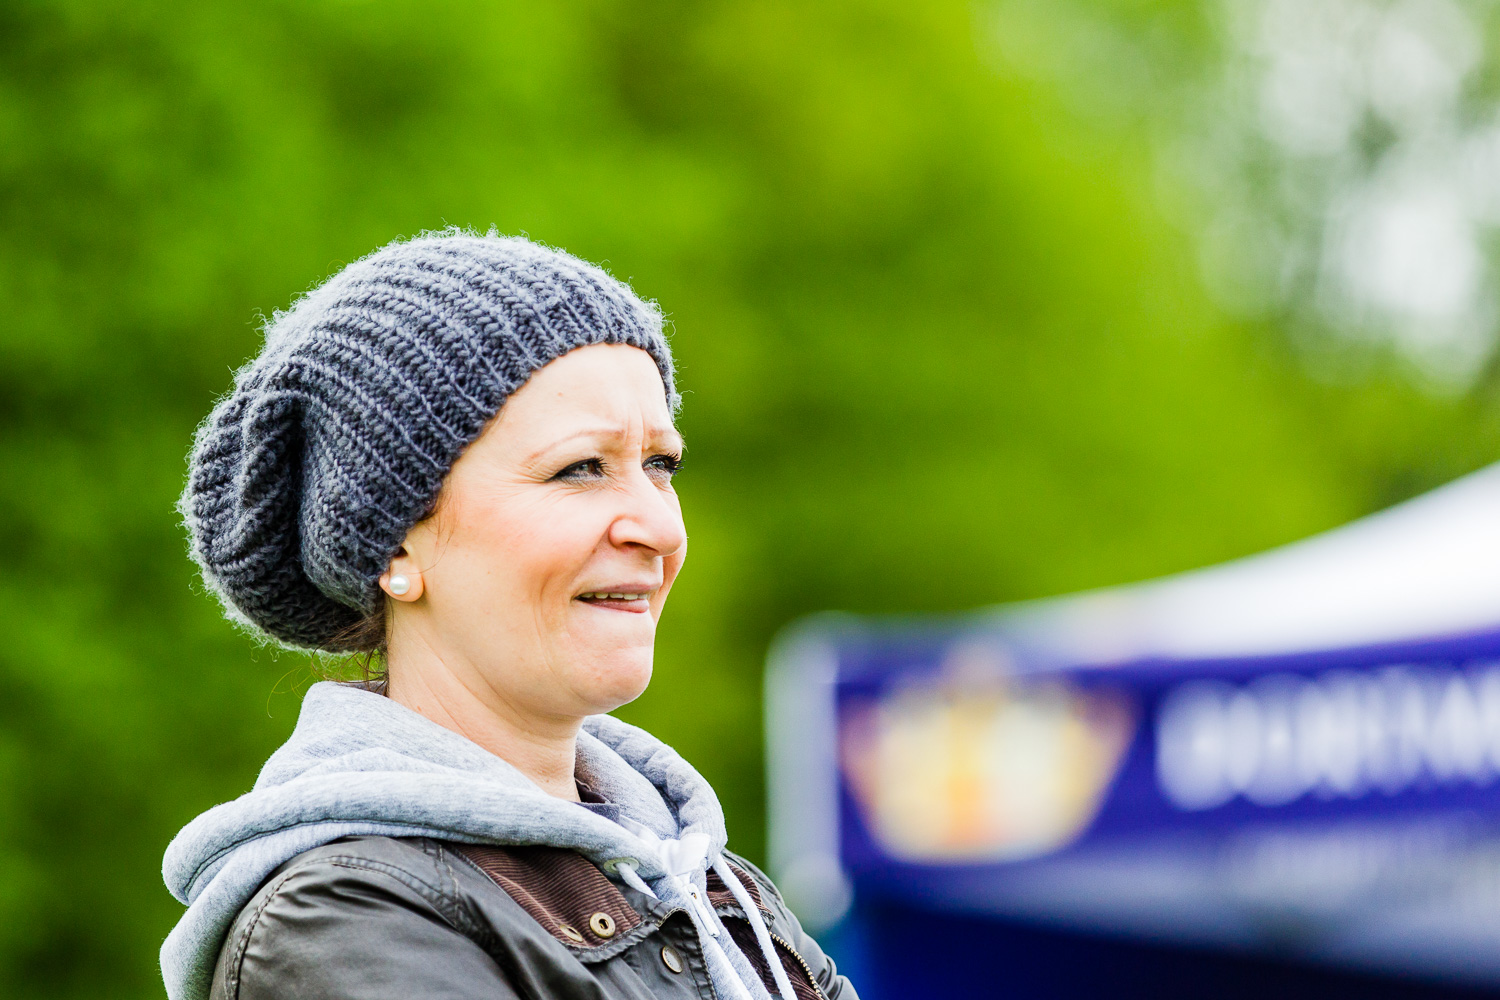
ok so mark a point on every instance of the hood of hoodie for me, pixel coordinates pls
(360, 764)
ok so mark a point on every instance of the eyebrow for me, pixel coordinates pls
(667, 431)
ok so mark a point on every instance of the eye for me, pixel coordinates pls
(589, 468)
(663, 466)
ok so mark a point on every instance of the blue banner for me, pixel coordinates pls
(1347, 802)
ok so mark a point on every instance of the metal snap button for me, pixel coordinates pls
(670, 958)
(602, 924)
(571, 933)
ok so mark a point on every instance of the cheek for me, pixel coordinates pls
(524, 551)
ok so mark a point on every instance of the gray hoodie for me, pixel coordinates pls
(360, 764)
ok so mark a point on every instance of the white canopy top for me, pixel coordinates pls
(1426, 568)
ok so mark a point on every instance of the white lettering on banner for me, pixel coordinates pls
(1340, 734)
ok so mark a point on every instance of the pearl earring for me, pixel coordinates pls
(400, 585)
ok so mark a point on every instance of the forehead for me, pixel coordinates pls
(601, 390)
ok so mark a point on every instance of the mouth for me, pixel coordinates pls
(632, 598)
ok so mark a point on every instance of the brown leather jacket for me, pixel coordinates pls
(377, 918)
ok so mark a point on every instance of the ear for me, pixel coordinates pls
(402, 580)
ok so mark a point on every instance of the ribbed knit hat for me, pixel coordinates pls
(305, 479)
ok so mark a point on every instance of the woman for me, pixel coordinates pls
(457, 456)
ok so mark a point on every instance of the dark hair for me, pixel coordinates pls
(368, 635)
(367, 639)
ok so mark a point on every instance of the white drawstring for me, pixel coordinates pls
(680, 859)
(762, 935)
(632, 878)
(703, 919)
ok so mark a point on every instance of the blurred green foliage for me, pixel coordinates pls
(940, 346)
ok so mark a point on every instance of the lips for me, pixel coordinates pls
(632, 598)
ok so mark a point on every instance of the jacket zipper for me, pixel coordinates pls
(802, 962)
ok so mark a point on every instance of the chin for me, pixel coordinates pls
(619, 677)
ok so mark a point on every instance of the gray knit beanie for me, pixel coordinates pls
(305, 479)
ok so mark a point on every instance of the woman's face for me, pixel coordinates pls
(555, 543)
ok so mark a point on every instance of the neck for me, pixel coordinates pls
(456, 697)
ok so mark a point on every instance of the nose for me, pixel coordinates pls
(651, 519)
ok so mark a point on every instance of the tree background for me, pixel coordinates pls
(944, 337)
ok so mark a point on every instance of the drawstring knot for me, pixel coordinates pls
(681, 861)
